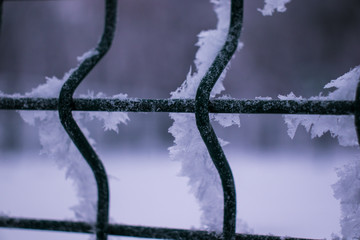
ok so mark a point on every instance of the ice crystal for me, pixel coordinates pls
(188, 146)
(57, 145)
(347, 189)
(272, 5)
(341, 127)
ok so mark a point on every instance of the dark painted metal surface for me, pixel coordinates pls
(65, 113)
(357, 111)
(185, 105)
(126, 230)
(203, 120)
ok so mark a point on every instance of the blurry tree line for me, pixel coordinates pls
(300, 50)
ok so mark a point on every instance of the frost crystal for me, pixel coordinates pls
(272, 5)
(226, 120)
(87, 54)
(347, 189)
(341, 127)
(57, 145)
(110, 120)
(263, 98)
(188, 146)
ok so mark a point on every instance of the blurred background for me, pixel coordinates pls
(300, 50)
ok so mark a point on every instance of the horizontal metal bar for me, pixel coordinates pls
(49, 225)
(125, 230)
(185, 105)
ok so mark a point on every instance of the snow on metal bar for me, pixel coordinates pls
(203, 120)
(126, 230)
(314, 107)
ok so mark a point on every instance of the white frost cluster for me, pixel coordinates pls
(347, 189)
(341, 127)
(57, 145)
(272, 5)
(110, 120)
(189, 148)
(263, 98)
(224, 119)
(86, 55)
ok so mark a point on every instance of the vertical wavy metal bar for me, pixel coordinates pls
(73, 130)
(357, 111)
(203, 121)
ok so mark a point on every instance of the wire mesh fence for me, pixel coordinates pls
(201, 106)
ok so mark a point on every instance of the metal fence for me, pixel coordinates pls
(201, 106)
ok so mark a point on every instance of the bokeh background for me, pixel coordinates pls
(297, 51)
(300, 50)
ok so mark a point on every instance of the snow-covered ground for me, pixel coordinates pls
(281, 193)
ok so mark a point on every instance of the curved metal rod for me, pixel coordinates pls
(357, 111)
(73, 130)
(203, 121)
